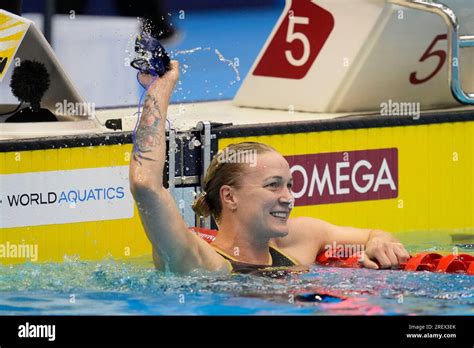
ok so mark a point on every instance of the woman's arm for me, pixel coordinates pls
(177, 249)
(378, 246)
(308, 237)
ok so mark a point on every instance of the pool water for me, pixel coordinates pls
(134, 287)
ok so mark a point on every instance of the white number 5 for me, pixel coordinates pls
(292, 36)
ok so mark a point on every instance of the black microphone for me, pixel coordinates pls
(29, 83)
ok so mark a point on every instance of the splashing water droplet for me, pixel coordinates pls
(229, 63)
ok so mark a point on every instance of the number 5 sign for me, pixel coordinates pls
(339, 56)
(297, 42)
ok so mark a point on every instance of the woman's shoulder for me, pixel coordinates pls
(304, 231)
(307, 225)
(304, 240)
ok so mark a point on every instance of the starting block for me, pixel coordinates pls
(20, 40)
(350, 56)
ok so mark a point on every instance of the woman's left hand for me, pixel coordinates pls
(380, 253)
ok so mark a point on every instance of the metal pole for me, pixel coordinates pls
(172, 162)
(205, 130)
(49, 10)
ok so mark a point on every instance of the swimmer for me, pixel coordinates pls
(250, 201)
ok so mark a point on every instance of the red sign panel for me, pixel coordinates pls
(344, 176)
(297, 42)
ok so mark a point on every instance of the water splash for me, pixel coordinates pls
(36, 288)
(219, 55)
(190, 51)
(229, 62)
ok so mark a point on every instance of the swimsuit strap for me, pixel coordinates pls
(279, 259)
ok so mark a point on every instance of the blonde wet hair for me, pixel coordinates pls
(226, 169)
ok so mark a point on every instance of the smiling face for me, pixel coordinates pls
(264, 200)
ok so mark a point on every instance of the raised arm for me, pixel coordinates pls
(174, 247)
